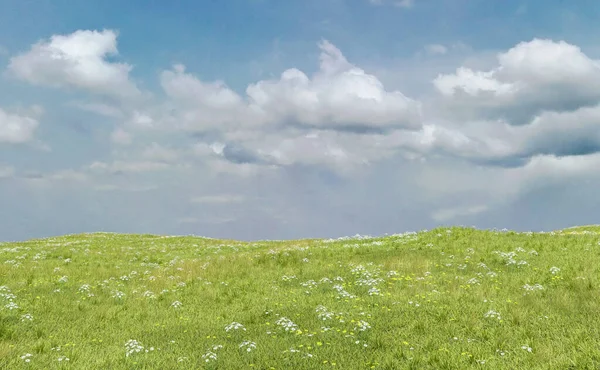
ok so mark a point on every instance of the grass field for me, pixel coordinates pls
(449, 298)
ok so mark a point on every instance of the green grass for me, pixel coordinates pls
(435, 290)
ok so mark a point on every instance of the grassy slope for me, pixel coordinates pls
(435, 290)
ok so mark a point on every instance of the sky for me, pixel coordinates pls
(267, 119)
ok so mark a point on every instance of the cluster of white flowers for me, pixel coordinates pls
(148, 294)
(118, 294)
(287, 324)
(11, 306)
(176, 304)
(323, 313)
(342, 293)
(234, 326)
(362, 325)
(554, 270)
(27, 357)
(531, 288)
(374, 291)
(133, 346)
(493, 314)
(209, 356)
(249, 346)
(26, 317)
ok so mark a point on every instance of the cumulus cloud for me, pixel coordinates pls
(340, 96)
(532, 77)
(16, 128)
(77, 60)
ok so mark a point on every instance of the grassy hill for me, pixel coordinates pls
(449, 298)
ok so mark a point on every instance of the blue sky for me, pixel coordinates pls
(256, 119)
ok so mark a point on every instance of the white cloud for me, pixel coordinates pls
(77, 60)
(532, 77)
(436, 49)
(15, 128)
(339, 96)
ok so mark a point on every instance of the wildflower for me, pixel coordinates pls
(526, 348)
(11, 306)
(493, 314)
(133, 346)
(118, 294)
(176, 304)
(323, 313)
(63, 358)
(27, 357)
(362, 326)
(209, 356)
(248, 345)
(234, 326)
(63, 279)
(27, 317)
(374, 291)
(287, 324)
(149, 294)
(554, 270)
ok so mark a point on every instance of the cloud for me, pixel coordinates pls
(436, 49)
(531, 78)
(16, 128)
(340, 96)
(77, 60)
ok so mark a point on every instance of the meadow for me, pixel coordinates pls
(449, 298)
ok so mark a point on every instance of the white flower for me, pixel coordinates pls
(209, 356)
(27, 357)
(235, 326)
(176, 304)
(323, 313)
(493, 314)
(118, 294)
(362, 326)
(526, 348)
(12, 306)
(287, 324)
(248, 345)
(27, 317)
(554, 270)
(374, 291)
(133, 346)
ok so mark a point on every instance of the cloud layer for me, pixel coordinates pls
(481, 140)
